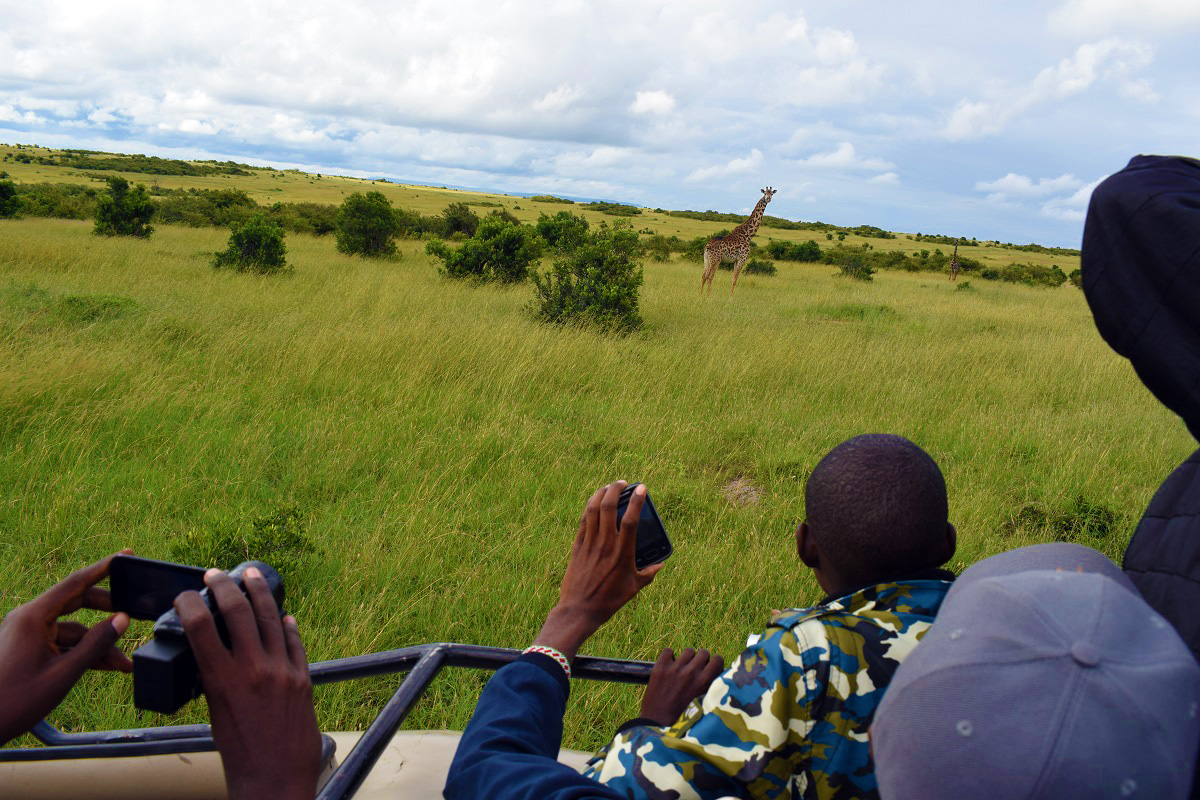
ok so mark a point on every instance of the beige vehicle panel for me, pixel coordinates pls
(413, 766)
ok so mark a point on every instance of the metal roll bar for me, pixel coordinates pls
(421, 662)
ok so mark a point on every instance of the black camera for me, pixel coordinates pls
(165, 677)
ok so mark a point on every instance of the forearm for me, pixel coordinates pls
(510, 748)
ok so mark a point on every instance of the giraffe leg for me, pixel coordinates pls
(737, 270)
(711, 261)
(704, 275)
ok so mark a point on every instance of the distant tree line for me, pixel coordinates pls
(151, 165)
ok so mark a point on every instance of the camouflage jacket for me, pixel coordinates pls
(789, 718)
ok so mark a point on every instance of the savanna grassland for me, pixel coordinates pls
(438, 444)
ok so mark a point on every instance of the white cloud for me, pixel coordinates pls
(1072, 208)
(560, 98)
(735, 167)
(1110, 59)
(1089, 17)
(653, 102)
(845, 157)
(890, 178)
(1013, 185)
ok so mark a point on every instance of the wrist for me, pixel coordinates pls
(566, 629)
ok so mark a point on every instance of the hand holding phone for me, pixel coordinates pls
(653, 546)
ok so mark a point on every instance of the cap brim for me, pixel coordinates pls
(1055, 555)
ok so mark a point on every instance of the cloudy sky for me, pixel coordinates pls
(992, 120)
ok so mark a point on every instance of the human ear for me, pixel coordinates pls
(806, 547)
(951, 542)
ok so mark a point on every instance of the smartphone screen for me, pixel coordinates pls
(653, 545)
(146, 589)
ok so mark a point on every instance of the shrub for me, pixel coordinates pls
(794, 251)
(505, 215)
(614, 209)
(499, 251)
(10, 203)
(255, 245)
(366, 226)
(549, 198)
(124, 211)
(279, 539)
(755, 266)
(1076, 278)
(965, 286)
(564, 231)
(459, 218)
(657, 247)
(858, 269)
(597, 283)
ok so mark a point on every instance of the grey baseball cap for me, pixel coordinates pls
(1045, 675)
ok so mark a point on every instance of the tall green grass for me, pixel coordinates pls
(439, 444)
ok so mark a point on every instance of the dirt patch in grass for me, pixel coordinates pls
(741, 492)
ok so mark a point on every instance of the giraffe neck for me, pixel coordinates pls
(750, 226)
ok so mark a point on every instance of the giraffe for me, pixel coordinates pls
(734, 246)
(954, 267)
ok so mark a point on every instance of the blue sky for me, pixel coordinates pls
(991, 120)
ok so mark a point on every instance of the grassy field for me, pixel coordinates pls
(439, 444)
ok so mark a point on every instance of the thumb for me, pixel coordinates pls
(93, 647)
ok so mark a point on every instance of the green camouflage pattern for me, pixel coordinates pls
(789, 718)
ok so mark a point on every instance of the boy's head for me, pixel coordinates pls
(876, 509)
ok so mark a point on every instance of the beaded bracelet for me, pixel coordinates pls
(550, 651)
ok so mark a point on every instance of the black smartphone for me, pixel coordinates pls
(653, 546)
(146, 589)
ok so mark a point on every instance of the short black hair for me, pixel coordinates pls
(876, 506)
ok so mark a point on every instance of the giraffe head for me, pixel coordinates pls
(768, 193)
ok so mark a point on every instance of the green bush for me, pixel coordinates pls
(965, 286)
(10, 202)
(858, 269)
(280, 539)
(255, 245)
(499, 251)
(549, 198)
(596, 284)
(459, 218)
(367, 226)
(564, 231)
(1076, 278)
(124, 211)
(615, 209)
(794, 251)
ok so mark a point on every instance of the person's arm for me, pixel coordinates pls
(746, 735)
(510, 747)
(258, 691)
(42, 657)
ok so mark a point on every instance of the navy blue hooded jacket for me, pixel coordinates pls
(1141, 275)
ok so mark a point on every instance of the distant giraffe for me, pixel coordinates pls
(735, 246)
(954, 266)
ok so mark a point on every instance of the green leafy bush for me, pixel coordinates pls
(459, 218)
(965, 286)
(124, 211)
(499, 251)
(10, 202)
(858, 269)
(255, 245)
(794, 251)
(1076, 278)
(367, 226)
(597, 283)
(549, 198)
(564, 231)
(615, 209)
(280, 539)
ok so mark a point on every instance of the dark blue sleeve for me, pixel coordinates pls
(509, 750)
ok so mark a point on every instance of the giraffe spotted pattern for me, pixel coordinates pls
(734, 247)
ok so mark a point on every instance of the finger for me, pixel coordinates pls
(714, 668)
(646, 575)
(67, 595)
(607, 531)
(114, 661)
(266, 613)
(665, 659)
(295, 648)
(201, 630)
(92, 648)
(237, 613)
(69, 634)
(96, 598)
(686, 657)
(629, 523)
(591, 517)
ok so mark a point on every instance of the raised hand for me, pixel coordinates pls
(259, 693)
(676, 682)
(41, 657)
(602, 576)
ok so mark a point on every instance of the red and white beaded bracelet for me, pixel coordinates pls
(550, 651)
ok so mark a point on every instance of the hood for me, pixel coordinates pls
(1141, 275)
